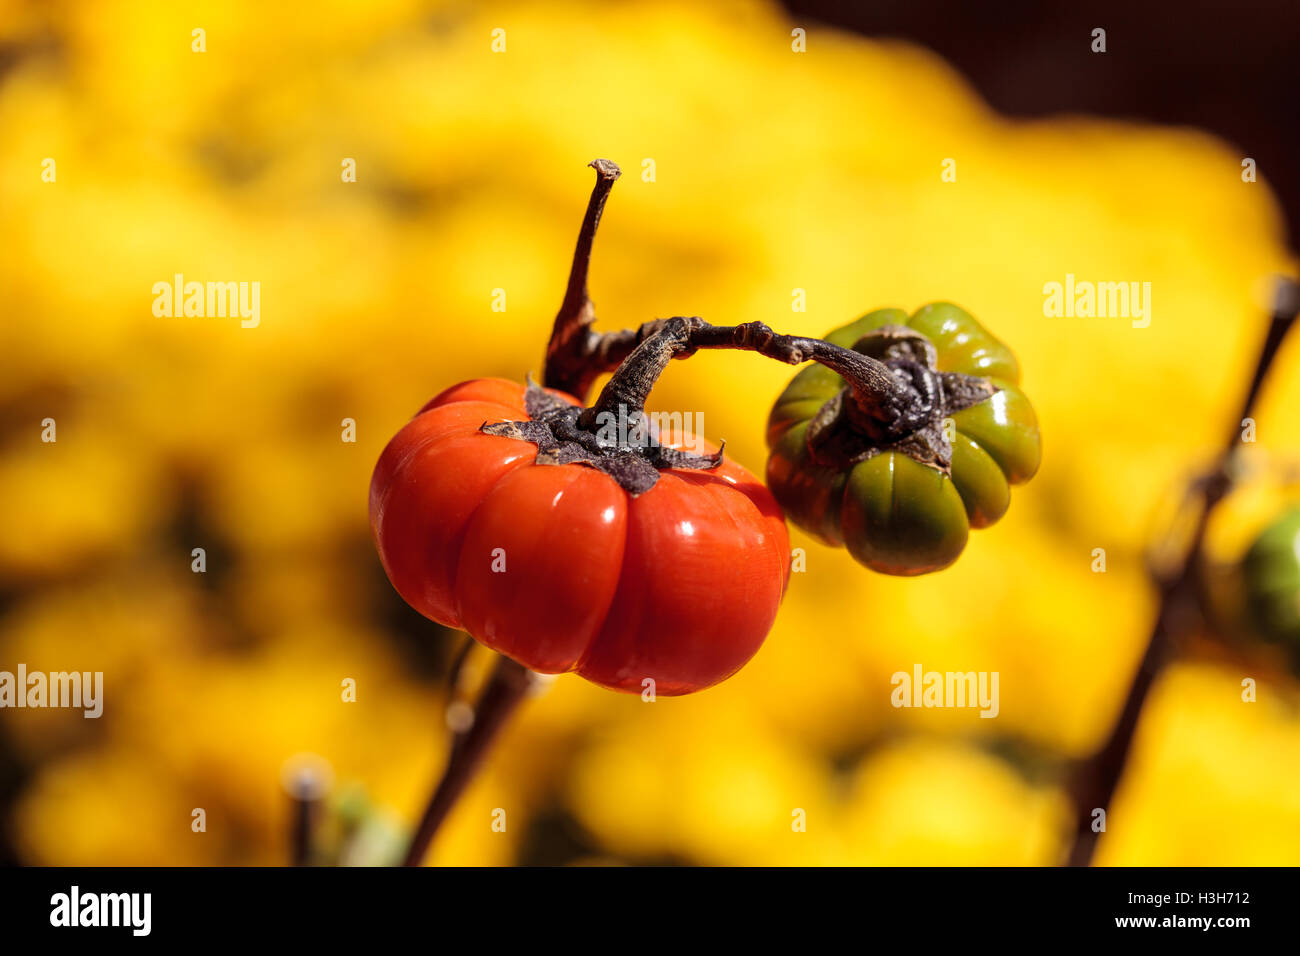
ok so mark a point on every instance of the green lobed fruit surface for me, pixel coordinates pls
(894, 514)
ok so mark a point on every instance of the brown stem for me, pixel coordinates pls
(1095, 779)
(457, 668)
(568, 354)
(882, 397)
(306, 788)
(506, 688)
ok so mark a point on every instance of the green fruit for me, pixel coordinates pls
(897, 514)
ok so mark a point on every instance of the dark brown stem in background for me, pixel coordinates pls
(307, 790)
(506, 688)
(304, 813)
(1094, 780)
(569, 365)
(458, 662)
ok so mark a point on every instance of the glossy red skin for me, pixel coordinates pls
(680, 584)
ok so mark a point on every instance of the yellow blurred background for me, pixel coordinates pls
(772, 171)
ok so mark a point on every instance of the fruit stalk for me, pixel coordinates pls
(886, 404)
(1094, 779)
(506, 688)
(571, 360)
(576, 355)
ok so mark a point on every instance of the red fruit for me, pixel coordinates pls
(560, 568)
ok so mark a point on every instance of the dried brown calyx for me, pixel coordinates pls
(620, 443)
(840, 435)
